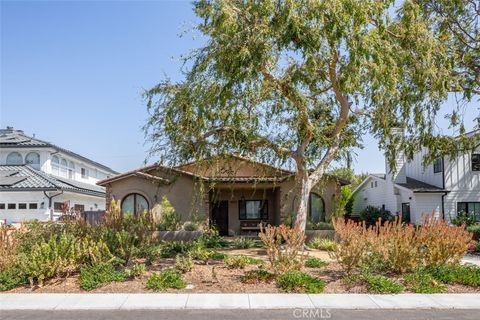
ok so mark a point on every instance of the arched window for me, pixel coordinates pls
(14, 158)
(71, 170)
(134, 203)
(316, 208)
(33, 160)
(63, 168)
(55, 165)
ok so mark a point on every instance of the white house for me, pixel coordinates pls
(448, 186)
(37, 178)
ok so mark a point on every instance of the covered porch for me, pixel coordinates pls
(239, 209)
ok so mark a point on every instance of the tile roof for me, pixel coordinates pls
(25, 178)
(17, 138)
(419, 186)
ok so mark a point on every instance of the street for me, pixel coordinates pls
(417, 314)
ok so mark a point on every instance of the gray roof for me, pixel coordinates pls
(18, 139)
(419, 186)
(25, 178)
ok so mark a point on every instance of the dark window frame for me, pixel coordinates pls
(79, 207)
(135, 194)
(22, 206)
(438, 165)
(2, 206)
(58, 206)
(242, 210)
(12, 206)
(84, 173)
(476, 158)
(467, 211)
(33, 206)
(406, 217)
(309, 211)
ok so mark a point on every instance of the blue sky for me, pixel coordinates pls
(72, 72)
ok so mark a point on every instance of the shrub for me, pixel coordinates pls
(169, 219)
(60, 255)
(319, 226)
(184, 263)
(11, 278)
(423, 282)
(352, 248)
(243, 243)
(211, 239)
(191, 226)
(295, 281)
(169, 278)
(8, 247)
(463, 218)
(94, 276)
(136, 271)
(372, 214)
(240, 262)
(315, 263)
(218, 255)
(172, 248)
(381, 284)
(460, 274)
(322, 244)
(150, 252)
(475, 228)
(202, 254)
(121, 243)
(290, 257)
(257, 276)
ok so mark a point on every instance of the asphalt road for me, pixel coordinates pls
(244, 314)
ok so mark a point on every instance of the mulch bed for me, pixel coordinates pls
(216, 278)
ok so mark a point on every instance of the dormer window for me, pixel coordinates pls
(476, 162)
(438, 165)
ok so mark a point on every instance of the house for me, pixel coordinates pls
(37, 178)
(447, 187)
(235, 193)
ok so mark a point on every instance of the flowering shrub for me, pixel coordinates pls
(287, 257)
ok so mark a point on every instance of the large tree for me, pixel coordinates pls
(300, 82)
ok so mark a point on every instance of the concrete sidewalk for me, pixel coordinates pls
(235, 301)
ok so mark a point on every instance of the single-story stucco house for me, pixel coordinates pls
(235, 193)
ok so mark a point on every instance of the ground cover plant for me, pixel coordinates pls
(322, 244)
(315, 263)
(300, 282)
(169, 278)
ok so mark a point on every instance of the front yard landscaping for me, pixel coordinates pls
(122, 256)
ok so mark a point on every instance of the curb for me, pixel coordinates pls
(180, 301)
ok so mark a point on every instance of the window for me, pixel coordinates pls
(55, 165)
(476, 162)
(253, 209)
(58, 206)
(12, 206)
(134, 204)
(22, 206)
(33, 160)
(316, 208)
(14, 158)
(376, 184)
(63, 168)
(79, 207)
(438, 165)
(371, 184)
(469, 208)
(71, 170)
(2, 206)
(84, 173)
(32, 206)
(406, 212)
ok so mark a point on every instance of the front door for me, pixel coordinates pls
(220, 217)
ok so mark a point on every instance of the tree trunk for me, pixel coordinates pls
(303, 193)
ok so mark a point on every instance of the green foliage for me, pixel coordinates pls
(322, 244)
(172, 248)
(463, 218)
(296, 281)
(168, 278)
(136, 271)
(315, 263)
(150, 252)
(474, 228)
(319, 225)
(382, 284)
(211, 239)
(169, 219)
(257, 276)
(95, 276)
(240, 262)
(371, 215)
(191, 226)
(203, 254)
(122, 244)
(468, 275)
(243, 243)
(11, 278)
(184, 263)
(423, 282)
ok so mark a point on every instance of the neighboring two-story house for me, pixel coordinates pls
(37, 178)
(446, 187)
